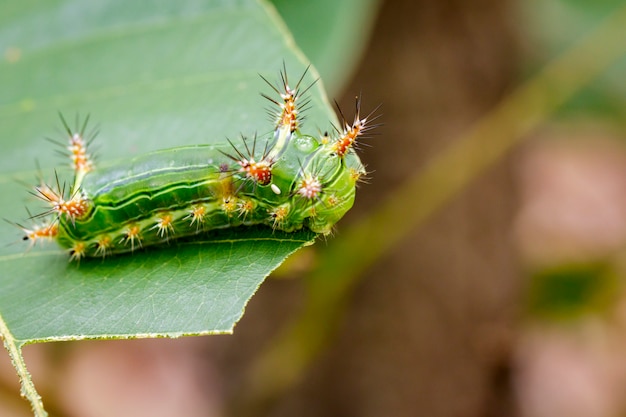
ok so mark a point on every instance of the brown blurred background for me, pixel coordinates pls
(427, 330)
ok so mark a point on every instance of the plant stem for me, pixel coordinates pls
(27, 387)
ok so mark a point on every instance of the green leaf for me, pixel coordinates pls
(602, 98)
(189, 288)
(153, 74)
(571, 291)
(332, 33)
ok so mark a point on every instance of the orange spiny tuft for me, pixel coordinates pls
(196, 214)
(37, 233)
(81, 161)
(164, 225)
(103, 245)
(357, 175)
(352, 131)
(348, 138)
(278, 215)
(78, 251)
(310, 187)
(288, 114)
(229, 205)
(132, 233)
(74, 208)
(332, 200)
(260, 172)
(245, 207)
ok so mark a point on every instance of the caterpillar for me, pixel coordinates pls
(287, 181)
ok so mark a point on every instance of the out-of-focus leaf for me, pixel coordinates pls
(332, 33)
(570, 291)
(551, 26)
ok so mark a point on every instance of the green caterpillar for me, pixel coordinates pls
(287, 181)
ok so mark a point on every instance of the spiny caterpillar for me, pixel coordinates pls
(288, 181)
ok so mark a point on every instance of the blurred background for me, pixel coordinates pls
(505, 298)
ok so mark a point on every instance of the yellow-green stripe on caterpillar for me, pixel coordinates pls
(287, 181)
